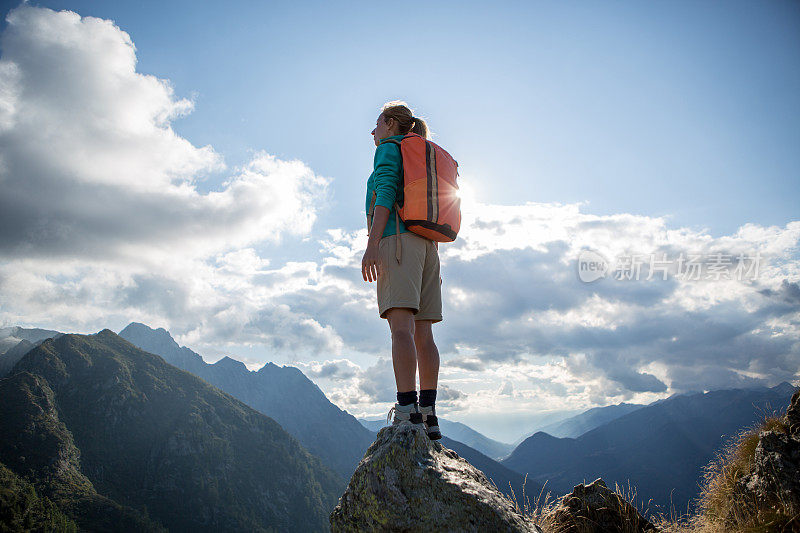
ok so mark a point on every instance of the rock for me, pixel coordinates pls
(793, 414)
(595, 508)
(406, 482)
(775, 477)
(772, 485)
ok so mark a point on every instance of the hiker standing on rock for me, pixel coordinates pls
(405, 263)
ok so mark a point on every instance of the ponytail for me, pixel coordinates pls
(420, 128)
(406, 121)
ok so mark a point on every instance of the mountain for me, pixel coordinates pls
(121, 440)
(282, 393)
(21, 509)
(588, 420)
(459, 432)
(10, 336)
(474, 439)
(660, 448)
(42, 457)
(10, 358)
(374, 424)
(16, 342)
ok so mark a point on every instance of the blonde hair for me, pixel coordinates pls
(407, 122)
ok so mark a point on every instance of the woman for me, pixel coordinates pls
(409, 290)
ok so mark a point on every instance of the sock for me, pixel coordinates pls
(406, 398)
(427, 397)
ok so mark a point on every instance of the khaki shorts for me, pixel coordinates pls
(415, 282)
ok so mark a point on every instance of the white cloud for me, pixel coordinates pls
(101, 223)
(100, 216)
(92, 167)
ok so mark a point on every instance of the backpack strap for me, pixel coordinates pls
(395, 141)
(397, 232)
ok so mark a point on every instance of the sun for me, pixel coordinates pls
(466, 193)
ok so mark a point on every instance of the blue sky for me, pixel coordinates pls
(685, 109)
(644, 126)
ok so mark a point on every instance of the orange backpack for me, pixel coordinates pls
(431, 206)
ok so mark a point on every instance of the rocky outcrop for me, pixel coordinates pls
(775, 476)
(595, 508)
(793, 414)
(406, 482)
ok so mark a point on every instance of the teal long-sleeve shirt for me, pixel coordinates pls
(387, 181)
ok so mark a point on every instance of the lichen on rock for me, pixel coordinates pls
(793, 415)
(774, 480)
(595, 508)
(406, 482)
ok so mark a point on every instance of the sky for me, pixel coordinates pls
(202, 167)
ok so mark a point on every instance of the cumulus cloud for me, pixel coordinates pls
(339, 369)
(102, 222)
(506, 389)
(101, 217)
(523, 333)
(92, 167)
(516, 268)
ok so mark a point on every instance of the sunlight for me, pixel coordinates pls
(466, 192)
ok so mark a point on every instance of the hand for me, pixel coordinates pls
(371, 265)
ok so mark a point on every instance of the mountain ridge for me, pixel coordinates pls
(284, 394)
(588, 420)
(661, 448)
(149, 435)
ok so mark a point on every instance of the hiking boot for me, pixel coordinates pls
(431, 422)
(402, 413)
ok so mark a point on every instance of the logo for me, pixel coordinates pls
(591, 266)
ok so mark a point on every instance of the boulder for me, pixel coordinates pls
(406, 482)
(595, 508)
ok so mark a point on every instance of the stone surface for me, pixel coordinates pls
(406, 482)
(595, 508)
(773, 482)
(793, 414)
(775, 477)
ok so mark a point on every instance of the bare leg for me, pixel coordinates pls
(427, 355)
(404, 352)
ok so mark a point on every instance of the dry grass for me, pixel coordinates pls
(542, 511)
(533, 512)
(723, 507)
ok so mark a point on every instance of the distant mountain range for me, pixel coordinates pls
(457, 431)
(16, 342)
(282, 393)
(12, 335)
(660, 448)
(588, 420)
(120, 440)
(99, 419)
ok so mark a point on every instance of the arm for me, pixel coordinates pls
(388, 168)
(370, 264)
(388, 174)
